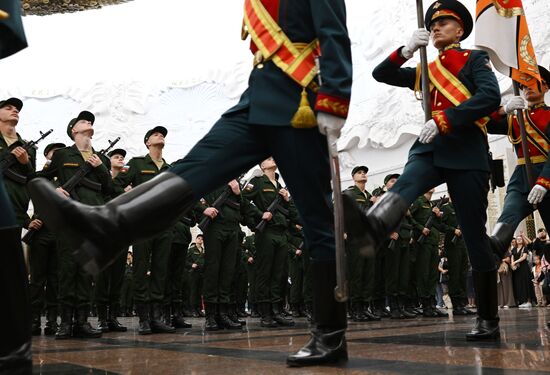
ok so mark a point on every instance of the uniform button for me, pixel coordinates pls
(439, 104)
(260, 66)
(465, 53)
(442, 57)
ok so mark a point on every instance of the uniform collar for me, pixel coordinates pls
(448, 47)
(537, 106)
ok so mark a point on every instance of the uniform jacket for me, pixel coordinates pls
(195, 256)
(139, 170)
(272, 98)
(230, 214)
(465, 146)
(262, 193)
(362, 198)
(540, 117)
(421, 211)
(448, 224)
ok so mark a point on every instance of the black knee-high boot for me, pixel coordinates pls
(486, 326)
(100, 232)
(328, 341)
(15, 341)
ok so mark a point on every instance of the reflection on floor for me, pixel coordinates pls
(421, 346)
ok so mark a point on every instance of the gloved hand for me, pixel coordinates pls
(428, 132)
(419, 38)
(330, 125)
(516, 102)
(537, 194)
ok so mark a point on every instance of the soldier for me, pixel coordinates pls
(109, 283)
(195, 256)
(271, 244)
(15, 341)
(75, 285)
(250, 254)
(153, 254)
(126, 294)
(361, 269)
(457, 258)
(43, 261)
(296, 270)
(240, 281)
(257, 127)
(452, 147)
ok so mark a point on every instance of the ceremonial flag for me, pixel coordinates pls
(501, 30)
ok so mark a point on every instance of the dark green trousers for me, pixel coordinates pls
(308, 279)
(127, 293)
(176, 272)
(43, 286)
(108, 284)
(151, 255)
(457, 259)
(427, 259)
(75, 285)
(220, 257)
(396, 268)
(296, 272)
(361, 275)
(195, 293)
(251, 273)
(271, 252)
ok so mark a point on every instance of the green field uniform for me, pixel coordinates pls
(127, 291)
(249, 247)
(240, 281)
(296, 270)
(195, 256)
(181, 238)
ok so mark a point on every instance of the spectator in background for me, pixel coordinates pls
(521, 275)
(539, 244)
(442, 287)
(505, 286)
(538, 279)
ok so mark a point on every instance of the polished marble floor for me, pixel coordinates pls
(420, 346)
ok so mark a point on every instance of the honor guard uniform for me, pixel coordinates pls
(361, 269)
(43, 284)
(75, 285)
(108, 284)
(521, 198)
(153, 254)
(195, 261)
(452, 147)
(275, 116)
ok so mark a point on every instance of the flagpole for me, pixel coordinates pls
(426, 105)
(524, 144)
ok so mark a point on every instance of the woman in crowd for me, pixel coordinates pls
(504, 278)
(521, 275)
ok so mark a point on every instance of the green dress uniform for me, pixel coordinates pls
(457, 258)
(75, 285)
(150, 255)
(361, 269)
(271, 248)
(16, 189)
(195, 255)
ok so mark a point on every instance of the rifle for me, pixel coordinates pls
(272, 208)
(430, 221)
(10, 160)
(218, 204)
(391, 245)
(79, 178)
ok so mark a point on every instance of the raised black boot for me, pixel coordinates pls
(156, 322)
(82, 328)
(500, 239)
(328, 343)
(144, 327)
(177, 316)
(65, 329)
(51, 321)
(486, 326)
(280, 317)
(102, 318)
(100, 233)
(210, 320)
(224, 321)
(369, 230)
(112, 321)
(266, 315)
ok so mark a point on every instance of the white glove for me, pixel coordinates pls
(330, 125)
(428, 132)
(516, 102)
(537, 194)
(419, 38)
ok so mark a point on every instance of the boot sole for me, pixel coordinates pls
(334, 359)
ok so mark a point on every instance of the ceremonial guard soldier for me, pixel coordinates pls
(452, 147)
(286, 41)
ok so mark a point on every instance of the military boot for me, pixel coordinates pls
(101, 232)
(51, 321)
(500, 238)
(65, 329)
(224, 321)
(36, 327)
(427, 308)
(82, 328)
(102, 318)
(112, 321)
(254, 311)
(369, 312)
(357, 313)
(370, 229)
(266, 315)
(210, 320)
(295, 309)
(232, 313)
(439, 313)
(469, 311)
(328, 343)
(403, 307)
(143, 314)
(395, 311)
(458, 306)
(486, 326)
(156, 323)
(279, 316)
(177, 316)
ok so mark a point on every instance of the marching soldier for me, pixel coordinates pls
(43, 261)
(272, 118)
(195, 256)
(108, 285)
(361, 269)
(452, 147)
(75, 285)
(153, 254)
